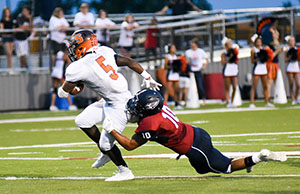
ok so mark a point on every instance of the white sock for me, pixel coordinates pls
(255, 158)
(121, 167)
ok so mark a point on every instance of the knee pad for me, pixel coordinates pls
(105, 146)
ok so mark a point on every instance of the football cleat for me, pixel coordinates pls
(252, 106)
(270, 105)
(73, 107)
(123, 175)
(53, 108)
(101, 161)
(267, 155)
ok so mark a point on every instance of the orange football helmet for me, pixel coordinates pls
(81, 41)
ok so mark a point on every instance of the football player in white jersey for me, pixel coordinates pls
(97, 68)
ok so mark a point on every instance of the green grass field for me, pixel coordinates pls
(159, 175)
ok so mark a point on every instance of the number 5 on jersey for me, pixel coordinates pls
(107, 68)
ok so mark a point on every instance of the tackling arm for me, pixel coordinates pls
(128, 144)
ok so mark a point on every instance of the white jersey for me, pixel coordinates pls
(99, 71)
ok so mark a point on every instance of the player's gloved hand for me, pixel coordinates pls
(149, 82)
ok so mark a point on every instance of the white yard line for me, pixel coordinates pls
(218, 143)
(10, 178)
(257, 134)
(76, 150)
(150, 156)
(182, 112)
(24, 153)
(270, 139)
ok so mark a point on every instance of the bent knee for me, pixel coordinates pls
(105, 146)
(83, 122)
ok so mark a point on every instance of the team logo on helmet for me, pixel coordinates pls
(152, 105)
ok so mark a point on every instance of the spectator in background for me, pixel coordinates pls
(179, 7)
(229, 60)
(127, 35)
(292, 56)
(198, 61)
(273, 66)
(103, 24)
(259, 58)
(58, 26)
(184, 80)
(151, 40)
(172, 66)
(7, 37)
(84, 19)
(58, 76)
(24, 26)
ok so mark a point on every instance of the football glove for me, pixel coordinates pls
(151, 84)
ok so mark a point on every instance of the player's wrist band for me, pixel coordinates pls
(145, 74)
(61, 93)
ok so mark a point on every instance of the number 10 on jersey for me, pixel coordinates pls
(107, 68)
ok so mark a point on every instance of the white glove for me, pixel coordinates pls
(151, 84)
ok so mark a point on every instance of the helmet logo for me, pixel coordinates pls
(152, 105)
(78, 38)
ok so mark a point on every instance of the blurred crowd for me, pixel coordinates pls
(178, 70)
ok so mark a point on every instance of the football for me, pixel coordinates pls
(77, 89)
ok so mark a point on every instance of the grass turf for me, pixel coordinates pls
(34, 133)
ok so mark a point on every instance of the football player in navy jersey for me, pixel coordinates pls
(157, 122)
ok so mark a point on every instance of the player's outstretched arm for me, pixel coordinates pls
(128, 144)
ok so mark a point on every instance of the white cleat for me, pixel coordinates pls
(101, 161)
(267, 155)
(230, 105)
(270, 105)
(252, 106)
(123, 175)
(73, 107)
(53, 108)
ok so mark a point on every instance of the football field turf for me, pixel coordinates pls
(44, 152)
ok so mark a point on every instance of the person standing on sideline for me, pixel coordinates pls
(127, 35)
(184, 80)
(58, 26)
(7, 37)
(151, 40)
(103, 25)
(292, 68)
(172, 65)
(259, 58)
(198, 61)
(84, 19)
(58, 77)
(24, 27)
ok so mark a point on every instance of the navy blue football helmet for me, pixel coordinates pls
(145, 103)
